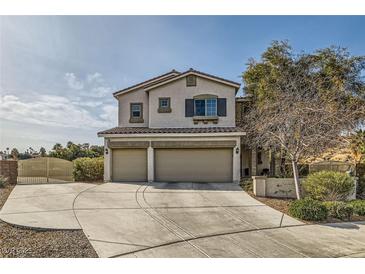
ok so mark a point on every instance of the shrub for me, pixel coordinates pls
(329, 186)
(3, 181)
(339, 210)
(358, 206)
(88, 169)
(308, 209)
(247, 185)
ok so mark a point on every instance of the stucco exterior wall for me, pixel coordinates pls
(178, 92)
(124, 101)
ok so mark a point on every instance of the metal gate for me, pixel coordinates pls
(44, 170)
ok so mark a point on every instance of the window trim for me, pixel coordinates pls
(136, 119)
(162, 109)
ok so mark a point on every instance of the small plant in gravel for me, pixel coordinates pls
(3, 181)
(247, 185)
(339, 210)
(329, 186)
(308, 209)
(358, 206)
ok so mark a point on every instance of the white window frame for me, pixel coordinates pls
(139, 110)
(206, 106)
(162, 100)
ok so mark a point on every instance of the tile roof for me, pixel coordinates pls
(151, 80)
(146, 130)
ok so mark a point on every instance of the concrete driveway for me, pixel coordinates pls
(177, 220)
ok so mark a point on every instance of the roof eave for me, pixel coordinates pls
(139, 135)
(145, 83)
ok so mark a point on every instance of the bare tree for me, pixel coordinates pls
(301, 115)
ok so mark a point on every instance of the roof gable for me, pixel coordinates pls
(173, 76)
(153, 80)
(154, 85)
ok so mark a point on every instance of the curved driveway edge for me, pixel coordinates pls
(48, 206)
(177, 220)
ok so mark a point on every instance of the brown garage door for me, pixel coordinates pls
(129, 164)
(193, 165)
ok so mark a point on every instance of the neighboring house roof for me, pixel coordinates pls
(164, 76)
(194, 72)
(146, 130)
(173, 76)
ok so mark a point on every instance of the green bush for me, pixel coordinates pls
(88, 169)
(308, 209)
(358, 206)
(339, 210)
(329, 186)
(3, 181)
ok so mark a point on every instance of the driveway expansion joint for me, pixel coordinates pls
(196, 224)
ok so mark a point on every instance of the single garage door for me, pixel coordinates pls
(129, 164)
(193, 165)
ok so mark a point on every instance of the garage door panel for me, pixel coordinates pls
(193, 165)
(129, 165)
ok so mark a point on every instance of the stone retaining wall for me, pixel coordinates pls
(9, 169)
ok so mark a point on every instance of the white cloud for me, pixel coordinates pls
(110, 113)
(88, 103)
(93, 86)
(101, 91)
(56, 111)
(73, 82)
(95, 77)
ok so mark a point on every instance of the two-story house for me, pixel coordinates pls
(178, 127)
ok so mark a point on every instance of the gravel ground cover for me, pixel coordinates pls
(283, 206)
(18, 242)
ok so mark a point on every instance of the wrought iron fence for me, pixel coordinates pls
(44, 170)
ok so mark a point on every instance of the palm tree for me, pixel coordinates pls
(14, 153)
(43, 152)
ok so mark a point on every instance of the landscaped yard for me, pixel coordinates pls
(23, 242)
(283, 205)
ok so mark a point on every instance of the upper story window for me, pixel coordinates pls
(191, 81)
(136, 113)
(136, 110)
(164, 102)
(164, 105)
(205, 107)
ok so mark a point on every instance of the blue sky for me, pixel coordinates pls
(57, 73)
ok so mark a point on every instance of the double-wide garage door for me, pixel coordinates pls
(174, 164)
(193, 165)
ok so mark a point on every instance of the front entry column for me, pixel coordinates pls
(236, 162)
(107, 162)
(150, 164)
